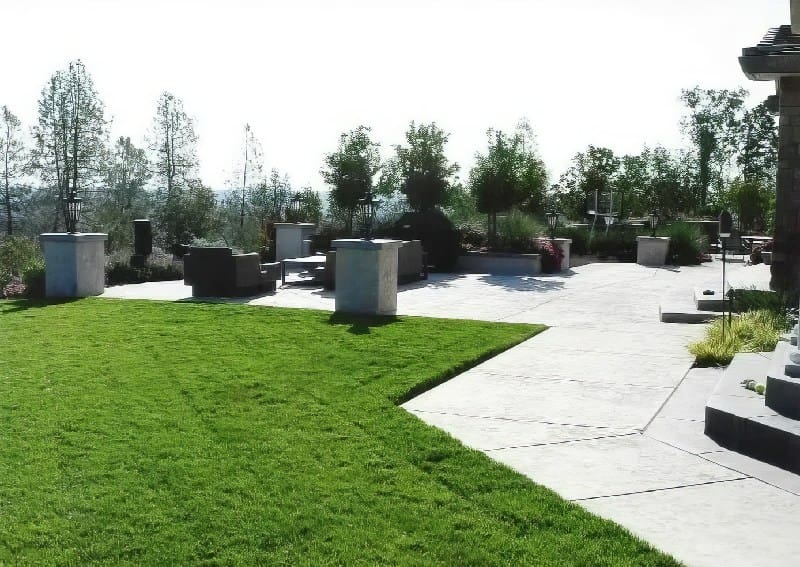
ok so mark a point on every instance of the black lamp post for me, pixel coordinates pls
(725, 227)
(552, 222)
(653, 221)
(367, 208)
(72, 212)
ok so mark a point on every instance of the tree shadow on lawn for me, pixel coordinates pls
(25, 304)
(361, 324)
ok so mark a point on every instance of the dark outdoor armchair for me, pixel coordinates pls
(218, 272)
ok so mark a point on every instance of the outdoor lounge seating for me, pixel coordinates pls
(411, 264)
(218, 272)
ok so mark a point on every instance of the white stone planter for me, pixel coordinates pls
(74, 264)
(652, 250)
(291, 239)
(564, 244)
(500, 263)
(366, 276)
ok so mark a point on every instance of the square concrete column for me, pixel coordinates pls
(564, 244)
(289, 237)
(74, 264)
(652, 250)
(366, 276)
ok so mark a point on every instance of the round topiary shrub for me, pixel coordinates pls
(439, 237)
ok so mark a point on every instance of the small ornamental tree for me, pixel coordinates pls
(422, 170)
(509, 174)
(349, 171)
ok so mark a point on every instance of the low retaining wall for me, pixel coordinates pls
(500, 263)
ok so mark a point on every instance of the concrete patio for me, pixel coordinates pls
(603, 407)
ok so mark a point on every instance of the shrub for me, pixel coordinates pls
(17, 255)
(518, 232)
(579, 237)
(439, 237)
(119, 273)
(617, 243)
(687, 244)
(757, 299)
(473, 235)
(551, 256)
(752, 331)
(33, 280)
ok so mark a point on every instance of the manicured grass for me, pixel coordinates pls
(159, 433)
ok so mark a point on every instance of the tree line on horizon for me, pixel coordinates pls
(729, 162)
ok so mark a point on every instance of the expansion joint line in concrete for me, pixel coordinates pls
(562, 442)
(660, 489)
(515, 420)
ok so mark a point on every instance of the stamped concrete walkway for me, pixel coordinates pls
(602, 407)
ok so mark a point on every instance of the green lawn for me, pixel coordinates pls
(161, 433)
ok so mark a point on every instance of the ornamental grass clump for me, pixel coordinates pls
(752, 331)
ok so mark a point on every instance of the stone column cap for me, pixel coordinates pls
(652, 238)
(297, 224)
(76, 237)
(377, 244)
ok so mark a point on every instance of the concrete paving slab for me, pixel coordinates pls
(739, 523)
(570, 402)
(762, 471)
(685, 434)
(642, 341)
(485, 433)
(689, 399)
(612, 466)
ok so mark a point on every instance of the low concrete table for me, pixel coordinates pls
(306, 262)
(74, 264)
(366, 276)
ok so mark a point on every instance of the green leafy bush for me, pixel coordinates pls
(33, 280)
(119, 273)
(518, 232)
(579, 237)
(754, 299)
(17, 255)
(687, 244)
(617, 243)
(752, 331)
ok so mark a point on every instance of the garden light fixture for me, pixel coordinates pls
(367, 209)
(293, 211)
(653, 221)
(552, 222)
(725, 226)
(72, 212)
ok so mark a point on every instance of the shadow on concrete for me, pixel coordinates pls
(539, 282)
(435, 280)
(361, 324)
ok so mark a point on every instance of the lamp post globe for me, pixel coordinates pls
(72, 210)
(552, 223)
(368, 205)
(653, 221)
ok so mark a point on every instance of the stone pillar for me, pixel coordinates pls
(794, 10)
(366, 276)
(74, 264)
(785, 268)
(652, 250)
(289, 237)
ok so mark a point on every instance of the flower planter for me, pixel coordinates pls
(564, 245)
(652, 250)
(500, 263)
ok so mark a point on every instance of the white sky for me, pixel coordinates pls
(302, 71)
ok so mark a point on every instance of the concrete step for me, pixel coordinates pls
(738, 419)
(686, 314)
(715, 301)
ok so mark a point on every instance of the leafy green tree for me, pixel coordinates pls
(70, 137)
(127, 198)
(173, 145)
(350, 170)
(753, 201)
(13, 161)
(588, 183)
(423, 172)
(758, 150)
(510, 174)
(713, 124)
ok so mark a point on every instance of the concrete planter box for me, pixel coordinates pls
(766, 257)
(292, 239)
(366, 276)
(74, 264)
(564, 244)
(500, 263)
(652, 250)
